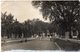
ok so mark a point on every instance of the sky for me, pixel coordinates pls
(22, 10)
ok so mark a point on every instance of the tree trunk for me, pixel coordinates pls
(78, 35)
(70, 36)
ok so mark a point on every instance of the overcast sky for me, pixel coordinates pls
(22, 10)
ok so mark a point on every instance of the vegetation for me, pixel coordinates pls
(64, 15)
(13, 28)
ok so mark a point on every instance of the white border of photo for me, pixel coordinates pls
(31, 50)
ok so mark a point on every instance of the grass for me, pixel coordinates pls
(67, 44)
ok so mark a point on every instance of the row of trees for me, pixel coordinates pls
(13, 28)
(64, 15)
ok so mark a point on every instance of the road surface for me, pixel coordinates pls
(38, 44)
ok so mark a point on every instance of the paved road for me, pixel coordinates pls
(43, 44)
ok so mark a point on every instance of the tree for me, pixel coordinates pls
(17, 29)
(39, 27)
(3, 21)
(6, 24)
(64, 13)
(9, 22)
(27, 28)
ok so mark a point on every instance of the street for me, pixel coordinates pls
(37, 44)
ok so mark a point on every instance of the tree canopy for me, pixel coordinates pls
(63, 13)
(12, 27)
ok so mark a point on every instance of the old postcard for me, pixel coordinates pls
(40, 25)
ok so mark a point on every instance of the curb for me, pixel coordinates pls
(58, 46)
(16, 41)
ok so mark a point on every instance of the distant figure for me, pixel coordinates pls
(50, 36)
(37, 36)
(40, 38)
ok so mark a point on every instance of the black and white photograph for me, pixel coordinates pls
(40, 25)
